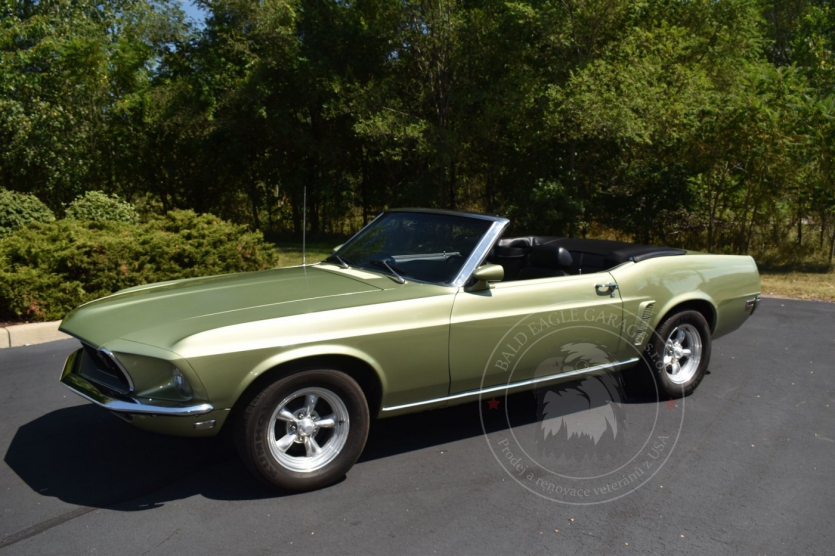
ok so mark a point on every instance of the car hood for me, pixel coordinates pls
(163, 313)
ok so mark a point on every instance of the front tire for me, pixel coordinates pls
(304, 431)
(679, 352)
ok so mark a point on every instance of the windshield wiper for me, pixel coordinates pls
(337, 260)
(399, 279)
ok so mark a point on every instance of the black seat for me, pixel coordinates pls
(546, 261)
(512, 254)
(512, 260)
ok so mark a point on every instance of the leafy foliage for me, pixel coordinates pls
(47, 269)
(18, 209)
(707, 124)
(98, 207)
(75, 77)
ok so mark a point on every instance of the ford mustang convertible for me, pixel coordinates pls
(421, 309)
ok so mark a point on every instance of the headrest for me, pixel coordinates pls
(549, 256)
(502, 252)
(522, 242)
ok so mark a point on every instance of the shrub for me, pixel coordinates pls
(98, 207)
(805, 258)
(18, 209)
(47, 269)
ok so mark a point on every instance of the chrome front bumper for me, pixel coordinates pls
(89, 391)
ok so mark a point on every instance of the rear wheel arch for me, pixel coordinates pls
(703, 306)
(654, 343)
(678, 352)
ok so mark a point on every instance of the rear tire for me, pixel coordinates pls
(304, 431)
(679, 352)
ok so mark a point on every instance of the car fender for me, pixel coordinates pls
(296, 356)
(680, 299)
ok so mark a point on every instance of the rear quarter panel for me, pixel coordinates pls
(726, 282)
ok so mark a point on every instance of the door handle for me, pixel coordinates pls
(611, 288)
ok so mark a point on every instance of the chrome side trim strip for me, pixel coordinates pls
(79, 385)
(513, 385)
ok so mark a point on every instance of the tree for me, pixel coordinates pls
(74, 77)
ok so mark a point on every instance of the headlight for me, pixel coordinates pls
(158, 376)
(180, 382)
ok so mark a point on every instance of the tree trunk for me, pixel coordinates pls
(452, 185)
(253, 201)
(488, 193)
(295, 208)
(710, 222)
(255, 219)
(313, 215)
(750, 231)
(831, 247)
(799, 224)
(364, 193)
(823, 230)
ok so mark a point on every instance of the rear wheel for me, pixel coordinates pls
(679, 353)
(304, 431)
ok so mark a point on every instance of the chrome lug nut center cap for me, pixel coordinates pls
(307, 427)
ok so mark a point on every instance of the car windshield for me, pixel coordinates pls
(422, 246)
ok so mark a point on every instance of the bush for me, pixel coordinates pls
(805, 258)
(98, 207)
(18, 209)
(47, 269)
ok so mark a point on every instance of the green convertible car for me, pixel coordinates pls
(421, 309)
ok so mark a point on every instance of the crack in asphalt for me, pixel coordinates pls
(51, 523)
(44, 526)
(168, 538)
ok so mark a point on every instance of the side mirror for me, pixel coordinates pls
(337, 248)
(484, 275)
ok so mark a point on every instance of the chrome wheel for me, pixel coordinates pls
(308, 429)
(682, 353)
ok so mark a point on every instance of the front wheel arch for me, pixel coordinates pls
(304, 431)
(363, 373)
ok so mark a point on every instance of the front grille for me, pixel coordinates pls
(96, 366)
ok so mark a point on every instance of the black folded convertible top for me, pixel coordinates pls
(587, 255)
(615, 251)
(576, 256)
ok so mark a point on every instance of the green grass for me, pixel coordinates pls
(290, 254)
(800, 285)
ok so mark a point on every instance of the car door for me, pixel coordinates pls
(531, 329)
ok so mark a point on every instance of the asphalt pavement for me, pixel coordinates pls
(752, 472)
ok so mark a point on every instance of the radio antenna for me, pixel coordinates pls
(304, 228)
